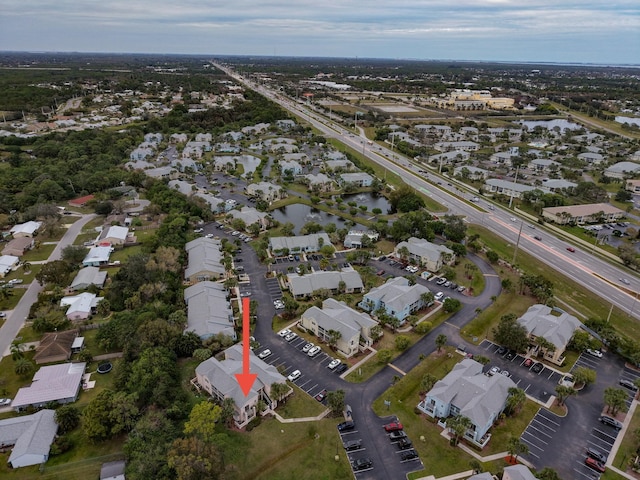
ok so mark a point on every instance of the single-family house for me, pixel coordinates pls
(503, 158)
(218, 379)
(468, 392)
(517, 472)
(113, 235)
(55, 347)
(7, 264)
(285, 124)
(81, 306)
(357, 179)
(52, 383)
(167, 172)
(543, 165)
(216, 204)
(208, 310)
(354, 327)
(429, 255)
(88, 276)
(153, 138)
(266, 191)
(580, 214)
(30, 436)
(141, 153)
(27, 229)
(250, 216)
(203, 137)
(18, 246)
(183, 187)
(97, 256)
(178, 138)
(204, 260)
(555, 326)
(345, 281)
(397, 297)
(312, 242)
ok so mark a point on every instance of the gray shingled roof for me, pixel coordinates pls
(89, 276)
(478, 396)
(557, 329)
(396, 293)
(208, 310)
(204, 255)
(336, 315)
(301, 242)
(50, 384)
(31, 435)
(311, 282)
(424, 249)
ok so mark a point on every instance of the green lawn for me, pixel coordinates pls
(294, 451)
(300, 405)
(37, 254)
(627, 450)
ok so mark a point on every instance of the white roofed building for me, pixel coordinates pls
(30, 436)
(52, 383)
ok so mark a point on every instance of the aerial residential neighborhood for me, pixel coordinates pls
(437, 271)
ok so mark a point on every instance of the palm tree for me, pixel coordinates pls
(427, 298)
(332, 338)
(23, 367)
(563, 392)
(515, 447)
(427, 382)
(404, 253)
(441, 341)
(458, 426)
(17, 350)
(278, 391)
(515, 400)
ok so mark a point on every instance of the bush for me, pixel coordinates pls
(254, 423)
(423, 328)
(61, 445)
(402, 342)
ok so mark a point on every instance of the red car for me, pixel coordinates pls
(571, 249)
(595, 464)
(393, 427)
(527, 363)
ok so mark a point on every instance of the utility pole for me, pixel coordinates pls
(515, 252)
(515, 180)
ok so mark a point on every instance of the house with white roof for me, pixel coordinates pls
(468, 392)
(300, 243)
(285, 124)
(178, 138)
(339, 165)
(209, 312)
(449, 157)
(205, 260)
(358, 179)
(506, 187)
(581, 214)
(30, 436)
(554, 325)
(397, 298)
(302, 286)
(141, 153)
(113, 235)
(462, 145)
(517, 472)
(27, 229)
(7, 264)
(470, 172)
(353, 239)
(622, 170)
(162, 172)
(250, 215)
(216, 204)
(267, 191)
(218, 379)
(354, 327)
(97, 256)
(557, 185)
(183, 187)
(290, 167)
(592, 158)
(319, 182)
(429, 255)
(81, 306)
(88, 276)
(52, 383)
(543, 165)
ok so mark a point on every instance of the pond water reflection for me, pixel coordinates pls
(299, 214)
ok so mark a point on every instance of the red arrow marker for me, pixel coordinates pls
(245, 379)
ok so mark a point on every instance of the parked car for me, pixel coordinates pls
(441, 281)
(292, 336)
(595, 353)
(409, 455)
(321, 395)
(352, 445)
(314, 351)
(294, 375)
(405, 443)
(438, 296)
(597, 455)
(393, 427)
(461, 288)
(284, 333)
(537, 367)
(527, 362)
(501, 350)
(4, 402)
(346, 426)
(333, 364)
(612, 422)
(341, 368)
(447, 284)
(493, 371)
(628, 384)
(397, 435)
(511, 354)
(307, 347)
(361, 464)
(595, 464)
(264, 354)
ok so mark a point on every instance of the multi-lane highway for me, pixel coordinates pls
(601, 277)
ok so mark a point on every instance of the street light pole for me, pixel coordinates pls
(515, 252)
(515, 180)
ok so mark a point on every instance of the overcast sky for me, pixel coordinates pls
(566, 31)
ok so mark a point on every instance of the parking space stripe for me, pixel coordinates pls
(605, 434)
(530, 442)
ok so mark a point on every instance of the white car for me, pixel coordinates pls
(284, 333)
(595, 353)
(292, 336)
(438, 296)
(314, 351)
(493, 371)
(294, 375)
(307, 347)
(333, 364)
(4, 402)
(264, 354)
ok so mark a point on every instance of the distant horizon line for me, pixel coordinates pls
(357, 57)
